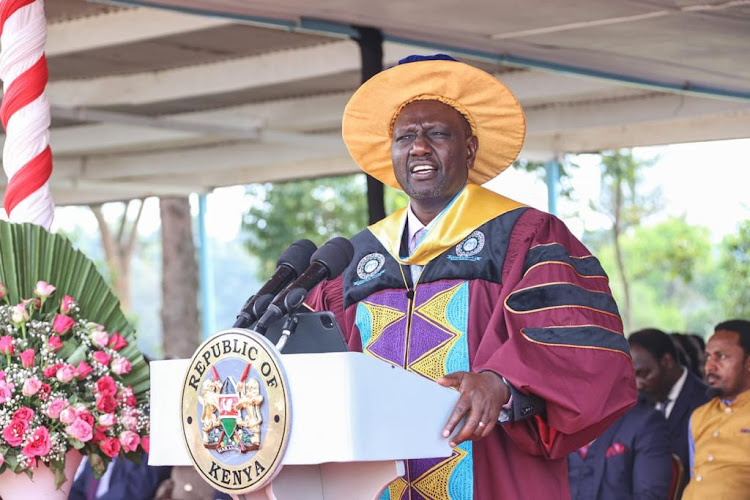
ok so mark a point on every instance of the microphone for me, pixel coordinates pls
(327, 262)
(291, 264)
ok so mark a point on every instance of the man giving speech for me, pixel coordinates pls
(476, 291)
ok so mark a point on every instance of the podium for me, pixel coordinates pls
(354, 419)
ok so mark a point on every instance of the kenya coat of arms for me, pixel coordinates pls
(231, 417)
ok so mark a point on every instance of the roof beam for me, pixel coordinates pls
(733, 125)
(186, 161)
(634, 110)
(160, 122)
(243, 73)
(122, 27)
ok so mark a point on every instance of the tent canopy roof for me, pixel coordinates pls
(149, 101)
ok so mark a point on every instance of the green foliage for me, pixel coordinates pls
(679, 280)
(28, 253)
(622, 200)
(622, 197)
(316, 209)
(669, 251)
(735, 266)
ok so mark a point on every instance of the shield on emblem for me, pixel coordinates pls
(228, 413)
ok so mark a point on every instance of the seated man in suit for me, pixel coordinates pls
(631, 460)
(668, 386)
(123, 479)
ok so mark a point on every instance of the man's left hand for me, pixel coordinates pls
(482, 397)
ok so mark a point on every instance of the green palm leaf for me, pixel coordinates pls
(28, 253)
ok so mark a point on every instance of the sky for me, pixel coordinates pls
(707, 182)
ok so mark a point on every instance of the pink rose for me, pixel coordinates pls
(51, 370)
(84, 370)
(121, 366)
(3, 294)
(19, 315)
(44, 391)
(87, 417)
(68, 415)
(100, 338)
(110, 446)
(130, 422)
(6, 345)
(99, 434)
(146, 443)
(6, 391)
(107, 420)
(62, 324)
(39, 443)
(27, 358)
(81, 430)
(102, 357)
(129, 441)
(66, 373)
(66, 303)
(117, 341)
(2, 457)
(106, 403)
(14, 431)
(24, 413)
(54, 343)
(126, 396)
(31, 386)
(106, 385)
(43, 289)
(56, 406)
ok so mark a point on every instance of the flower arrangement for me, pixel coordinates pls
(62, 387)
(71, 375)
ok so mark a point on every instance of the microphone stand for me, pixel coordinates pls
(289, 327)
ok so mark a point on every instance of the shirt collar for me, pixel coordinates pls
(674, 393)
(413, 224)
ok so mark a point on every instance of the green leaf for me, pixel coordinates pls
(59, 469)
(28, 253)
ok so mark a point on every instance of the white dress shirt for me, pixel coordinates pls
(667, 406)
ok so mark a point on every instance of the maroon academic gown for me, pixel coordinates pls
(511, 291)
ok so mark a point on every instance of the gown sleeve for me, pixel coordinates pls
(556, 334)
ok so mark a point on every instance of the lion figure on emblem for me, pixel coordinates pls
(209, 398)
(250, 400)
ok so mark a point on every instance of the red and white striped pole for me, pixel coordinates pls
(25, 115)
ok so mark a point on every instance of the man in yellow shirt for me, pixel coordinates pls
(720, 429)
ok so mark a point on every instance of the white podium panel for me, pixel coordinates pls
(353, 419)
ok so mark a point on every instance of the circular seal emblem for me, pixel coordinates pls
(236, 411)
(370, 265)
(471, 246)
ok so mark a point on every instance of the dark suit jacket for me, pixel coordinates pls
(129, 481)
(692, 395)
(631, 460)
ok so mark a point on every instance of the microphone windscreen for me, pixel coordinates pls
(298, 255)
(336, 254)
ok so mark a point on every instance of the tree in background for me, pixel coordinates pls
(624, 202)
(316, 209)
(735, 270)
(118, 247)
(179, 313)
(671, 274)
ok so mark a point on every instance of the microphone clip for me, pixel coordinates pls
(287, 329)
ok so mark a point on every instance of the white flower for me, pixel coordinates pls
(43, 289)
(19, 314)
